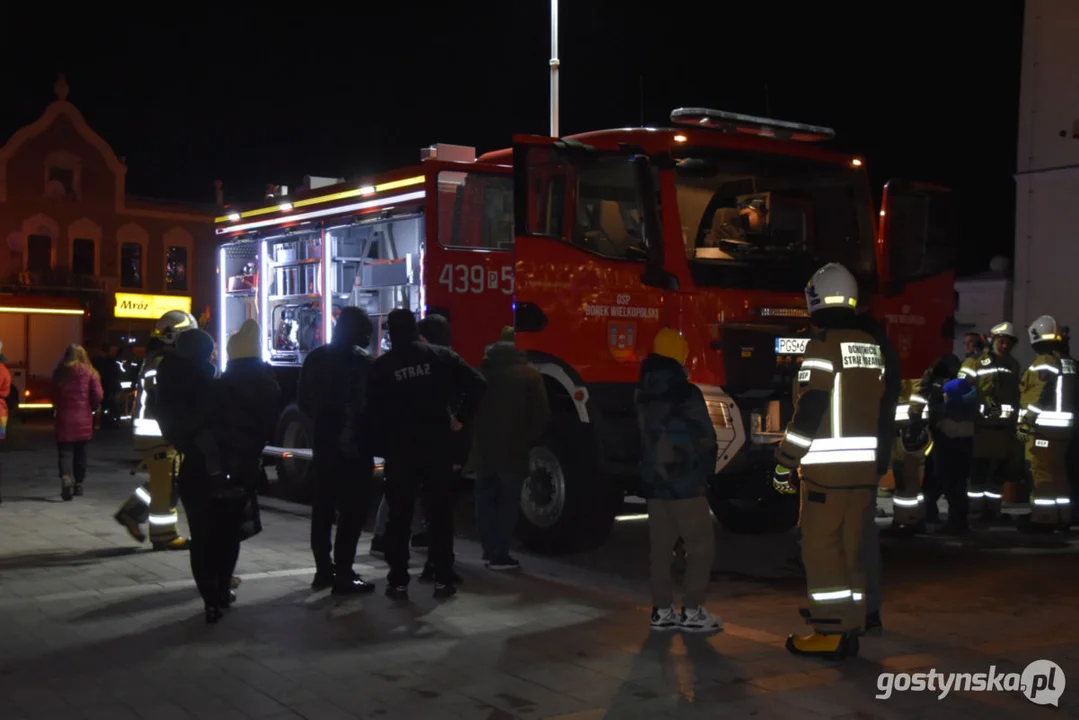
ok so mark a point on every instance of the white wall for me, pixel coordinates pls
(1047, 180)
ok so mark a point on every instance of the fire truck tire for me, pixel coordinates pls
(746, 504)
(294, 431)
(565, 505)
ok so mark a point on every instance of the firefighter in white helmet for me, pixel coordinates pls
(1047, 420)
(996, 378)
(833, 439)
(155, 501)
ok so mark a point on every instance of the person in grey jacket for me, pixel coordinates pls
(511, 419)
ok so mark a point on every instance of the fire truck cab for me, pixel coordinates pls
(712, 226)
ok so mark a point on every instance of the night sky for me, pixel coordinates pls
(928, 92)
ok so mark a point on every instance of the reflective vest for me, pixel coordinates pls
(147, 432)
(1048, 394)
(997, 382)
(833, 434)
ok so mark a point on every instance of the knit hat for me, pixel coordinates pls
(195, 344)
(508, 335)
(670, 343)
(244, 343)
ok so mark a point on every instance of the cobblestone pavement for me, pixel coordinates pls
(94, 626)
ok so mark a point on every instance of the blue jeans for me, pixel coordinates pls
(498, 500)
(383, 517)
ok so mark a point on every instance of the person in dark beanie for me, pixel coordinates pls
(412, 388)
(511, 418)
(332, 391)
(678, 457)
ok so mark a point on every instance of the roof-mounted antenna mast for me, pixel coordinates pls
(554, 68)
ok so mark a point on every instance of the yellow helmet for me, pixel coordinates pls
(172, 324)
(670, 343)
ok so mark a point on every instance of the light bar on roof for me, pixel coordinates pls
(307, 202)
(736, 122)
(300, 217)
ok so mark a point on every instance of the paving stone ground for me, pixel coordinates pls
(93, 626)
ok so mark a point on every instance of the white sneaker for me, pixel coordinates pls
(700, 620)
(665, 619)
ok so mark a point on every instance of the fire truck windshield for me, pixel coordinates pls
(756, 220)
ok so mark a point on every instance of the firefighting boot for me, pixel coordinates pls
(828, 646)
(177, 543)
(130, 525)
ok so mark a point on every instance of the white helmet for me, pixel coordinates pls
(832, 287)
(172, 324)
(1005, 329)
(1044, 329)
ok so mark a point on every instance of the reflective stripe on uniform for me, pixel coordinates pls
(823, 451)
(818, 364)
(147, 427)
(141, 494)
(826, 596)
(909, 501)
(164, 519)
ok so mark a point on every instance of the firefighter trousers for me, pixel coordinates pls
(1050, 498)
(155, 501)
(909, 501)
(833, 536)
(871, 556)
(431, 478)
(986, 488)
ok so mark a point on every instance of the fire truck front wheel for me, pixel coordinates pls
(565, 505)
(294, 431)
(745, 503)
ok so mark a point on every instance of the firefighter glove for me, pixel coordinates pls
(992, 410)
(784, 481)
(1022, 431)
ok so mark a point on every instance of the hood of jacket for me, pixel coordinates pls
(659, 374)
(502, 355)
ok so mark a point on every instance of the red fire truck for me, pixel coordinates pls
(712, 226)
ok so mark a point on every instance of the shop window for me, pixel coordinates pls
(176, 268)
(131, 265)
(82, 256)
(39, 253)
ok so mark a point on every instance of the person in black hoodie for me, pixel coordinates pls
(250, 401)
(332, 391)
(412, 388)
(187, 410)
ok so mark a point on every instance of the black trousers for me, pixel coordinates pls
(342, 489)
(72, 457)
(215, 544)
(951, 460)
(431, 478)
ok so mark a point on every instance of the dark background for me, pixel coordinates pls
(922, 90)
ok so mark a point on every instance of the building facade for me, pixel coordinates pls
(69, 229)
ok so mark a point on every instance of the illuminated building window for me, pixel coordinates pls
(176, 268)
(131, 265)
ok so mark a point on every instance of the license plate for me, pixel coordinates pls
(791, 346)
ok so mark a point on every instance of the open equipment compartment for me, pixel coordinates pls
(238, 275)
(292, 295)
(376, 265)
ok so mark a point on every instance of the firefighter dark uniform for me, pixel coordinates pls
(908, 456)
(997, 381)
(155, 501)
(1048, 396)
(833, 439)
(410, 390)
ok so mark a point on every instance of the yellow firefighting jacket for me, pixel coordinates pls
(998, 387)
(147, 432)
(1048, 395)
(833, 434)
